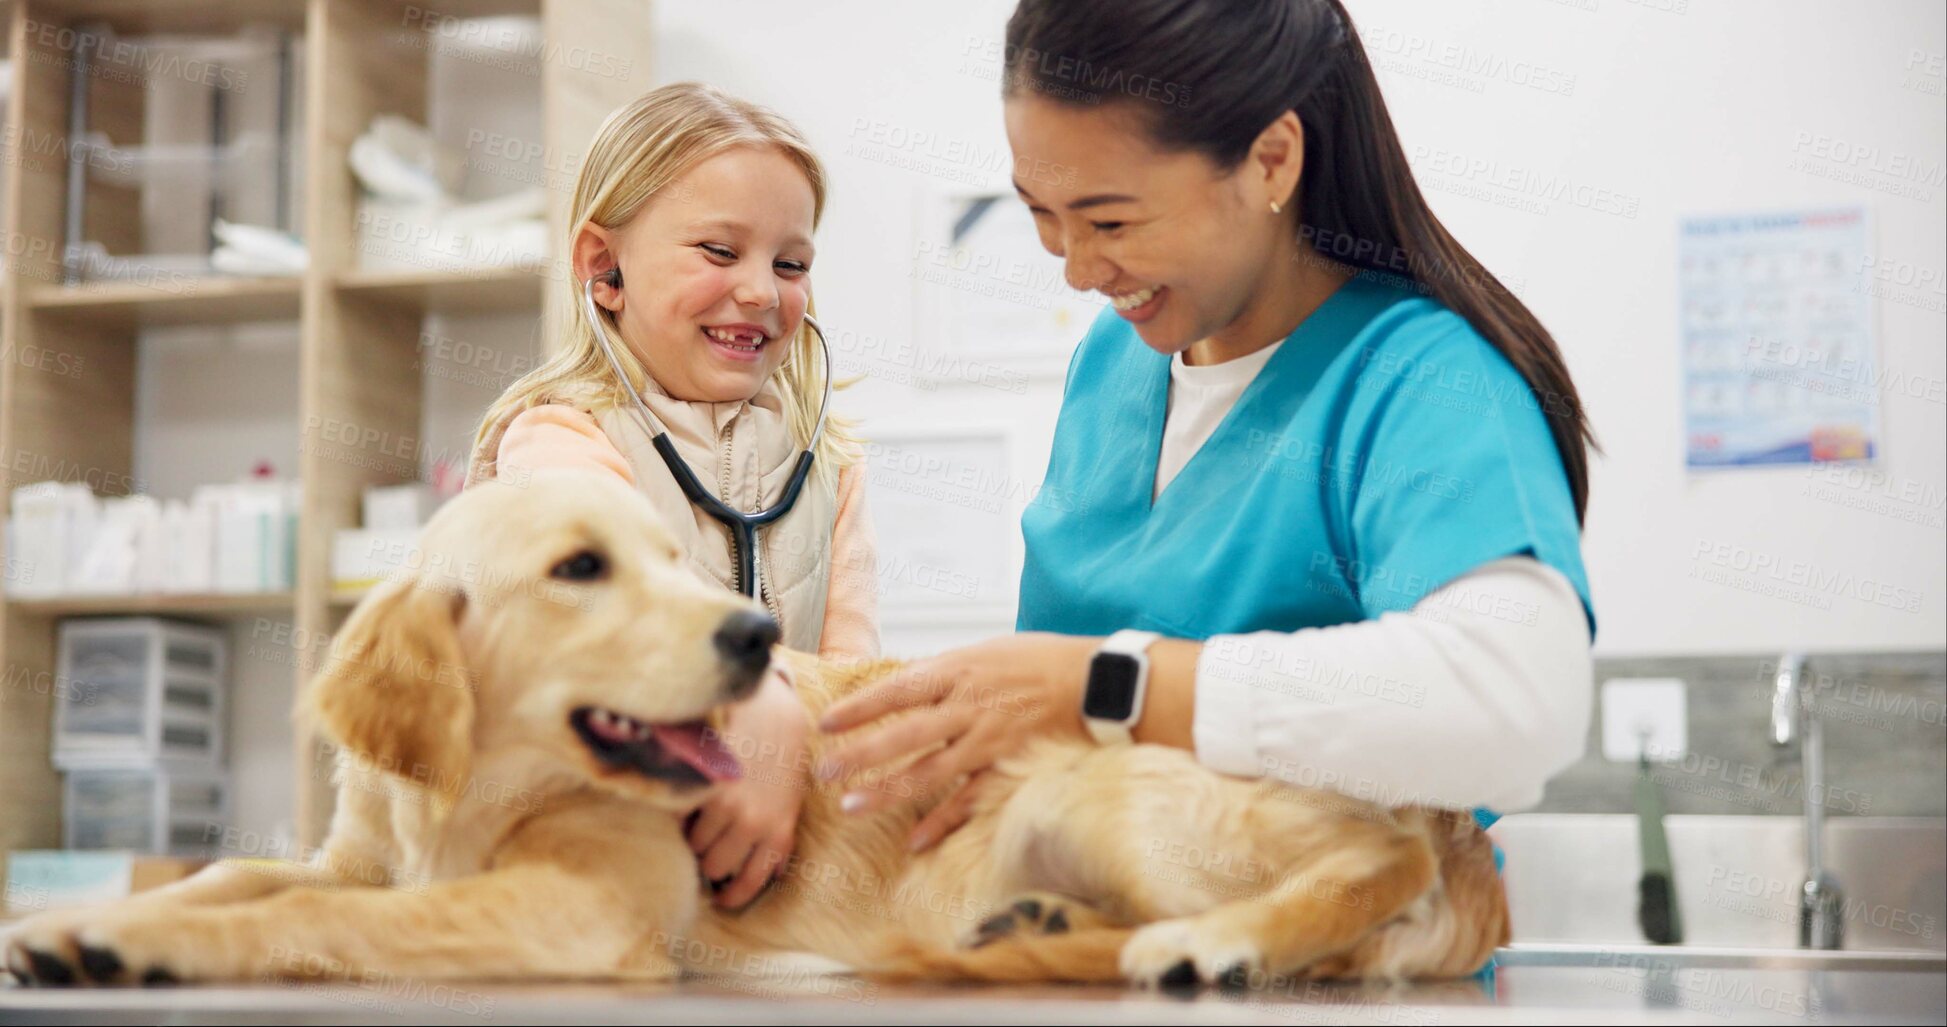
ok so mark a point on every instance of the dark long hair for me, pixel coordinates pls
(1209, 75)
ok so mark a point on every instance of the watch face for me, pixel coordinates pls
(1111, 687)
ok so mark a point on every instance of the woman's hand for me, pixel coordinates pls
(982, 702)
(745, 831)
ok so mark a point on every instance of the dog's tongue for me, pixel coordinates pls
(696, 745)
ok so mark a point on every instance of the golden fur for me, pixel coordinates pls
(476, 836)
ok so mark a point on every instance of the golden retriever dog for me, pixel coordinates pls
(524, 718)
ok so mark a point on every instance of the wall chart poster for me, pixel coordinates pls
(1777, 339)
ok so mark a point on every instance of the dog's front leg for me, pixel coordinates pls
(531, 921)
(563, 902)
(43, 949)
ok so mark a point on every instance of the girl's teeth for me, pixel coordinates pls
(735, 340)
(1131, 301)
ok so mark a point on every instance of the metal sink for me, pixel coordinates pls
(1572, 894)
(1666, 959)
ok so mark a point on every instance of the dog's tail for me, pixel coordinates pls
(1089, 956)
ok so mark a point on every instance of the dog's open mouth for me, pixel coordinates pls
(683, 754)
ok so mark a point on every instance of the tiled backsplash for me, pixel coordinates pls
(1885, 740)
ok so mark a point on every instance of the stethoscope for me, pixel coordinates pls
(743, 526)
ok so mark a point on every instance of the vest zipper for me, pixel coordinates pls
(736, 566)
(763, 561)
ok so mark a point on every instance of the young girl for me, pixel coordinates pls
(694, 213)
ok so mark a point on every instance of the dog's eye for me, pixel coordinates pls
(586, 565)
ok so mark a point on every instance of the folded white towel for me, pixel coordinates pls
(516, 206)
(255, 250)
(399, 160)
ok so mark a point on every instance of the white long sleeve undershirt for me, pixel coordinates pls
(1474, 698)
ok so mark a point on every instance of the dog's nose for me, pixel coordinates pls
(745, 639)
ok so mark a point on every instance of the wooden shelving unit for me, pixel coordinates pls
(444, 292)
(358, 330)
(125, 305)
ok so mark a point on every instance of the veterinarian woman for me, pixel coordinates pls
(1313, 445)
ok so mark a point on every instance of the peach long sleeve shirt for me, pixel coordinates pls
(557, 435)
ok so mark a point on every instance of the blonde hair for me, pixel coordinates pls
(641, 149)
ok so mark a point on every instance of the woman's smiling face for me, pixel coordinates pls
(1176, 244)
(716, 274)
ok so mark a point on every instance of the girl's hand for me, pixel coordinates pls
(982, 702)
(746, 830)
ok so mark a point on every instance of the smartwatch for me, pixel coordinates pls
(1118, 680)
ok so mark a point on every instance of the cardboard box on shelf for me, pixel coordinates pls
(363, 557)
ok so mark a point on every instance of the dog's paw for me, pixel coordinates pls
(1035, 913)
(43, 966)
(1189, 952)
(41, 952)
(144, 950)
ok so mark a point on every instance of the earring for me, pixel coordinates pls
(1275, 208)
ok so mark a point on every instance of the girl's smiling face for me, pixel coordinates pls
(716, 273)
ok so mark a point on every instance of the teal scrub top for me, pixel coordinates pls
(1385, 449)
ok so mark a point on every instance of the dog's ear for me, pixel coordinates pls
(395, 690)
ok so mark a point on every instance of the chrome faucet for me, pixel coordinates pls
(1794, 718)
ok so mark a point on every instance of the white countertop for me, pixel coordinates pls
(1515, 994)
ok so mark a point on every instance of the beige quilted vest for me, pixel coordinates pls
(744, 451)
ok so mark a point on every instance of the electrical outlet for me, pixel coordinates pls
(1644, 714)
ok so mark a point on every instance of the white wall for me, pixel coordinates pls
(1705, 111)
(1687, 108)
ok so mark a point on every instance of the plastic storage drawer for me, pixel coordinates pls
(164, 809)
(138, 688)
